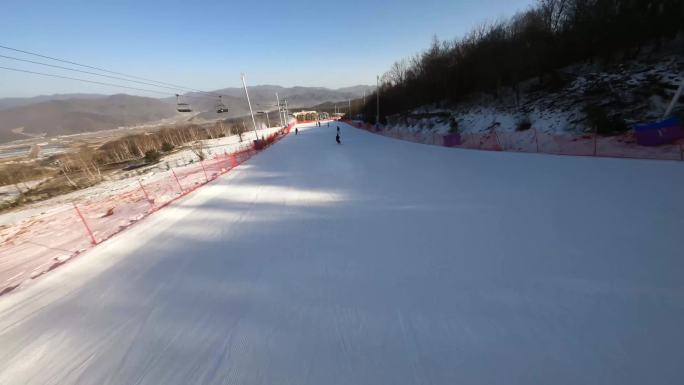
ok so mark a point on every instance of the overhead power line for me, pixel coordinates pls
(84, 80)
(175, 86)
(86, 72)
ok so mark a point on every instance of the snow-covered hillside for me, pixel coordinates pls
(637, 91)
(377, 261)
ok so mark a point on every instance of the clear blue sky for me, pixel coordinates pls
(206, 44)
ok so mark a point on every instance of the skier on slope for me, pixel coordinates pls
(296, 131)
(337, 138)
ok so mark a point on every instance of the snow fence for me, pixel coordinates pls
(622, 146)
(43, 242)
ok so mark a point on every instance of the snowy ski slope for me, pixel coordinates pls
(375, 262)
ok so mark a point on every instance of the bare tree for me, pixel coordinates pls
(198, 149)
(398, 72)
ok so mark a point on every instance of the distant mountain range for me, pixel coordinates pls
(71, 116)
(263, 98)
(60, 114)
(6, 103)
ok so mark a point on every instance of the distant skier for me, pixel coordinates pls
(338, 129)
(337, 138)
(296, 131)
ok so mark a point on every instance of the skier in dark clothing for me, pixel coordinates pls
(337, 138)
(296, 131)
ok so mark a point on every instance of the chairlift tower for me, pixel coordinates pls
(280, 111)
(377, 95)
(251, 112)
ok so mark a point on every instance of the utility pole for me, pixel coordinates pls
(377, 109)
(250, 105)
(280, 111)
(287, 113)
(676, 96)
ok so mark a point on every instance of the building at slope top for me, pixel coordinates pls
(310, 115)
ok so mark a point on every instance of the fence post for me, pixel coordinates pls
(85, 224)
(147, 196)
(498, 142)
(225, 159)
(228, 167)
(204, 170)
(177, 181)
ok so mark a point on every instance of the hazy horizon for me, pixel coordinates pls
(133, 93)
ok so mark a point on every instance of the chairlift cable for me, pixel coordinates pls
(83, 80)
(86, 72)
(105, 70)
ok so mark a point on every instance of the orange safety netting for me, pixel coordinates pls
(42, 242)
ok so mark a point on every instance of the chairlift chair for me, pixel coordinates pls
(220, 107)
(182, 107)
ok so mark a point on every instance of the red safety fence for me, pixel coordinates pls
(43, 242)
(533, 141)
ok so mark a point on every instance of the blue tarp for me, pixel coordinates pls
(452, 140)
(658, 133)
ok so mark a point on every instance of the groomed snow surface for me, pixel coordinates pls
(377, 261)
